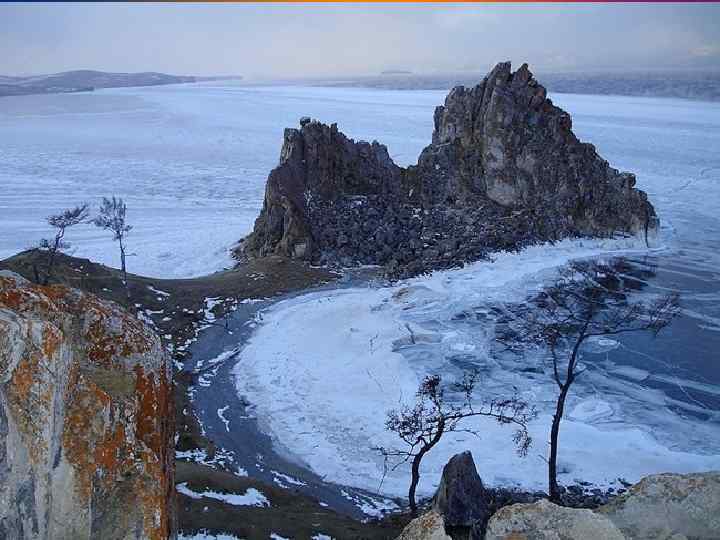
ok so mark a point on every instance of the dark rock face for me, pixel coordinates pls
(504, 170)
(461, 498)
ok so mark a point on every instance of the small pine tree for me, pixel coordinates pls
(111, 217)
(61, 222)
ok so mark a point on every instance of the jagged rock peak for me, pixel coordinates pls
(504, 170)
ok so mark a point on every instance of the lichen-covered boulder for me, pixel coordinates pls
(544, 520)
(666, 506)
(429, 526)
(86, 419)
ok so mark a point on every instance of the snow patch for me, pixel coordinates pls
(206, 535)
(251, 497)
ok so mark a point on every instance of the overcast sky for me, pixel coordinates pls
(325, 40)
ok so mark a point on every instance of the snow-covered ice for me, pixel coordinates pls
(190, 160)
(323, 391)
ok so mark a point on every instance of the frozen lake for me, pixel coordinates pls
(190, 160)
(322, 369)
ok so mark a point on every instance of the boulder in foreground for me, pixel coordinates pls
(86, 419)
(663, 505)
(659, 507)
(429, 526)
(461, 498)
(544, 520)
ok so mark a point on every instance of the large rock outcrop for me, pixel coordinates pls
(665, 506)
(504, 169)
(86, 419)
(659, 507)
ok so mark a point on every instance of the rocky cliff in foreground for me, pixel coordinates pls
(86, 419)
(504, 170)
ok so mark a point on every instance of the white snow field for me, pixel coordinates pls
(323, 368)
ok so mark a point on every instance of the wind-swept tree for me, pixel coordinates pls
(111, 217)
(61, 222)
(588, 300)
(423, 425)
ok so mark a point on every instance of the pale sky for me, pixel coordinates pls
(296, 40)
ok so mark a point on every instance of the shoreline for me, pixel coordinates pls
(218, 443)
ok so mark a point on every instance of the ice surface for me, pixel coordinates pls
(191, 162)
(322, 390)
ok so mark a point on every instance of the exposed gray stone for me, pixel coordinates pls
(659, 507)
(544, 520)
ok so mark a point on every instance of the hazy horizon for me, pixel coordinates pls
(326, 40)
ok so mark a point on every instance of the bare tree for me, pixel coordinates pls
(61, 222)
(112, 218)
(586, 301)
(423, 425)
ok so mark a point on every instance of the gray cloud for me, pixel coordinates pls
(351, 39)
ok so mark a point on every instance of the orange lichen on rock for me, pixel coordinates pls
(106, 342)
(88, 392)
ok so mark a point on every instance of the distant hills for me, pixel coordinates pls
(702, 85)
(88, 80)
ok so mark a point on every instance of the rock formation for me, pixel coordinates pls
(504, 169)
(86, 419)
(659, 507)
(461, 498)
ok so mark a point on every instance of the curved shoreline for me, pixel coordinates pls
(224, 417)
